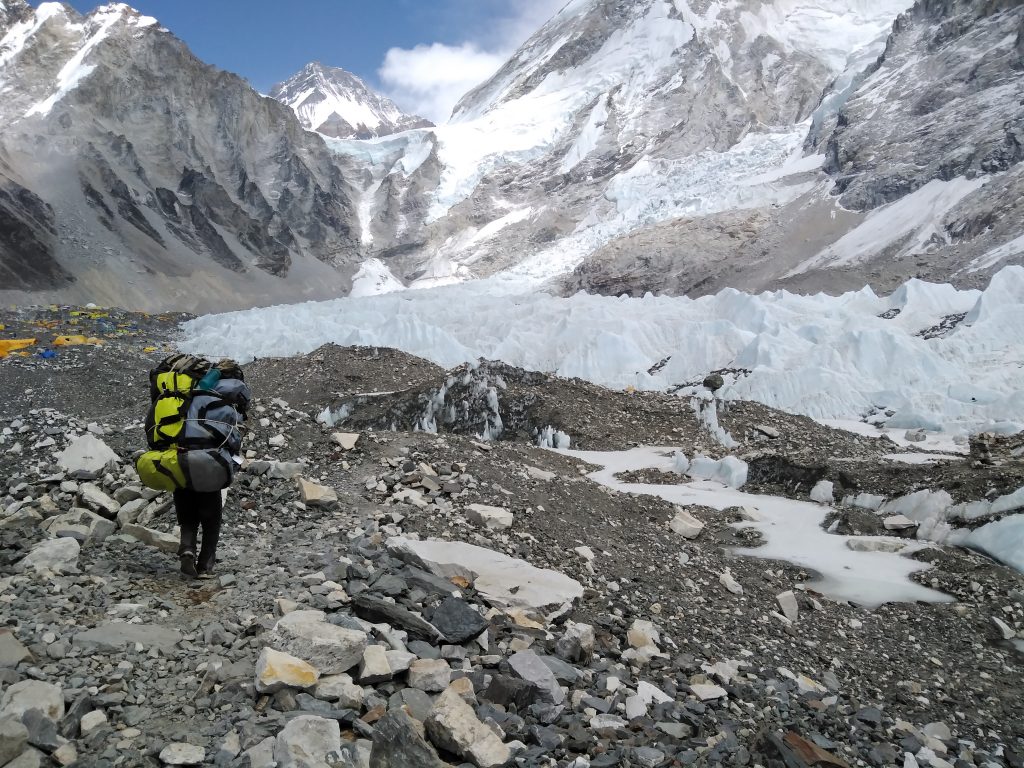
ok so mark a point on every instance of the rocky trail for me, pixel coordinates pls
(393, 589)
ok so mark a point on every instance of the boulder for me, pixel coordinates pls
(528, 666)
(374, 667)
(87, 457)
(398, 742)
(306, 742)
(899, 523)
(685, 524)
(329, 648)
(454, 727)
(315, 495)
(501, 580)
(12, 652)
(707, 692)
(576, 645)
(788, 604)
(276, 670)
(92, 497)
(53, 555)
(342, 689)
(130, 511)
(13, 738)
(345, 440)
(81, 525)
(182, 754)
(492, 518)
(457, 620)
(19, 698)
(823, 492)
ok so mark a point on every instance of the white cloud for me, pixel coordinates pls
(429, 80)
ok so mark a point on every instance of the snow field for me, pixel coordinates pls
(791, 529)
(828, 357)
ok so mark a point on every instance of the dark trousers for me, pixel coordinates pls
(197, 510)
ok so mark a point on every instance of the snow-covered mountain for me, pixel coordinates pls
(132, 173)
(687, 145)
(675, 146)
(336, 103)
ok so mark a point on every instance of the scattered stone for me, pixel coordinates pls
(165, 542)
(726, 580)
(707, 692)
(1005, 630)
(576, 645)
(13, 738)
(768, 431)
(454, 727)
(874, 544)
(374, 667)
(539, 474)
(95, 499)
(116, 636)
(92, 720)
(823, 492)
(915, 435)
(529, 666)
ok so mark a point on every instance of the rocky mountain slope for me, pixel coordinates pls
(336, 103)
(131, 173)
(356, 617)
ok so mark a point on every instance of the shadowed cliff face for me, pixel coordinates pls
(157, 160)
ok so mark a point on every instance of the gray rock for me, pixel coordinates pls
(714, 381)
(417, 702)
(30, 758)
(13, 738)
(306, 742)
(42, 731)
(340, 689)
(374, 667)
(331, 649)
(457, 620)
(379, 611)
(398, 742)
(87, 457)
(113, 637)
(52, 555)
(80, 524)
(12, 652)
(492, 518)
(261, 755)
(528, 666)
(19, 698)
(576, 645)
(431, 675)
(92, 497)
(165, 542)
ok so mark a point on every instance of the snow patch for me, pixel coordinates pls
(374, 279)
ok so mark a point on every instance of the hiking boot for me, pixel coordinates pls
(188, 565)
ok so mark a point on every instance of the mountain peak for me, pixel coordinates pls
(337, 103)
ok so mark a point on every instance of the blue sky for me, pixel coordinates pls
(422, 53)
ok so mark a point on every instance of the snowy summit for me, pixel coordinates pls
(336, 103)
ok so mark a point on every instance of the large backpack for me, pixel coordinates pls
(193, 432)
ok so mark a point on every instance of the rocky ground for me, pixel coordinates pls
(584, 632)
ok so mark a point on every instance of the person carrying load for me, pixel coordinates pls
(194, 433)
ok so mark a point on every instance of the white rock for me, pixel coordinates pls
(789, 605)
(277, 441)
(430, 675)
(342, 689)
(306, 742)
(635, 708)
(586, 553)
(707, 692)
(92, 720)
(182, 754)
(374, 667)
(529, 666)
(87, 457)
(650, 694)
(915, 435)
(80, 524)
(19, 698)
(727, 581)
(165, 542)
(399, 661)
(453, 726)
(345, 440)
(316, 495)
(276, 670)
(501, 580)
(540, 474)
(898, 523)
(600, 722)
(409, 496)
(823, 492)
(685, 524)
(329, 648)
(492, 518)
(53, 555)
